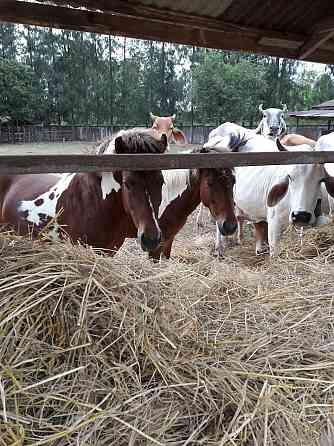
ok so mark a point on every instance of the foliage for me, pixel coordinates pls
(18, 97)
(65, 77)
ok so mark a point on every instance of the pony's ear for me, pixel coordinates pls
(179, 136)
(120, 147)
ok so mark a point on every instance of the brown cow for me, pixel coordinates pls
(164, 124)
(293, 139)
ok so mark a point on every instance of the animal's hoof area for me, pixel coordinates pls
(262, 251)
(323, 220)
(219, 253)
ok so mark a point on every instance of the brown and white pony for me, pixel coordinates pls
(165, 125)
(100, 209)
(184, 190)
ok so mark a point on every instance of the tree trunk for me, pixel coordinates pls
(111, 86)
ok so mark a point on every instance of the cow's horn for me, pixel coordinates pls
(260, 108)
(285, 108)
(173, 117)
(280, 146)
(152, 116)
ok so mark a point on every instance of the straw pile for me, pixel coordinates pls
(119, 351)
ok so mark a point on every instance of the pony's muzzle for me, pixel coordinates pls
(227, 228)
(148, 243)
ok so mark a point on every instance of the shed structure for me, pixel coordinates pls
(323, 112)
(295, 29)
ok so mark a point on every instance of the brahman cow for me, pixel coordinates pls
(272, 195)
(271, 126)
(326, 143)
(165, 125)
(272, 123)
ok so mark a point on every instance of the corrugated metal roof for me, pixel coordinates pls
(327, 104)
(286, 28)
(328, 114)
(210, 8)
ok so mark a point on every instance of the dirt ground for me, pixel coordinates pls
(75, 147)
(44, 148)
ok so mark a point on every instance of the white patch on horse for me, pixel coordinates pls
(111, 146)
(153, 214)
(108, 184)
(175, 183)
(48, 206)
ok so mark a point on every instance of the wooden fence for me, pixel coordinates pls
(36, 134)
(23, 164)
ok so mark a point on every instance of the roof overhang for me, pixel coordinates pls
(242, 25)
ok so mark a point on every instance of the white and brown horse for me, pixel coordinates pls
(184, 190)
(100, 209)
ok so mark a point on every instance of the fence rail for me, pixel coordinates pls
(197, 134)
(21, 164)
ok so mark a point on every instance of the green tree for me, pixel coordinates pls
(18, 98)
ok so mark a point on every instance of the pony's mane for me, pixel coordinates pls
(136, 140)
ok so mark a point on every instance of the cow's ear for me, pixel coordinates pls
(329, 183)
(179, 136)
(277, 192)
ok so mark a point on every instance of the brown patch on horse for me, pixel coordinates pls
(136, 140)
(43, 217)
(39, 202)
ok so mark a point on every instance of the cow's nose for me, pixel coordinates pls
(301, 217)
(274, 129)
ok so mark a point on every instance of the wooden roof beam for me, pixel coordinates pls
(321, 33)
(315, 42)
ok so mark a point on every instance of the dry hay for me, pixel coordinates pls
(119, 351)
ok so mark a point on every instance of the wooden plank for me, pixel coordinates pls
(314, 43)
(83, 20)
(283, 43)
(13, 164)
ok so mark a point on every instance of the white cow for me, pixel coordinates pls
(326, 143)
(276, 195)
(272, 123)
